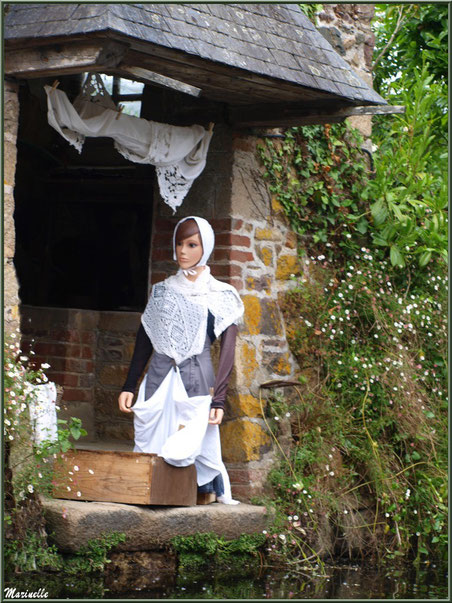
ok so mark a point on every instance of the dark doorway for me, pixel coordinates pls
(83, 221)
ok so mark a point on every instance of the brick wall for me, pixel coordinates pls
(89, 354)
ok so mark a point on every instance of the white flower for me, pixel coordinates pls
(287, 414)
(282, 537)
(23, 358)
(289, 517)
(76, 468)
(345, 512)
(30, 488)
(295, 517)
(386, 514)
(91, 471)
(264, 532)
(79, 493)
(331, 472)
(407, 494)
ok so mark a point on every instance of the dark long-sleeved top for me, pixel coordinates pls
(143, 350)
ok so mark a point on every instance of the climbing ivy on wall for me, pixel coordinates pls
(318, 175)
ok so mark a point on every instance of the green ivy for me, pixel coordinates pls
(318, 175)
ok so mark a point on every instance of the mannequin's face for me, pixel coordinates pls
(189, 251)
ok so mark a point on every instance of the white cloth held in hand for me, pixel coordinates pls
(156, 425)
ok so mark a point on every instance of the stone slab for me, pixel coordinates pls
(72, 523)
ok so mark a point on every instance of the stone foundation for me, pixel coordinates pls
(73, 523)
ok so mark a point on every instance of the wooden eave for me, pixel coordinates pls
(251, 99)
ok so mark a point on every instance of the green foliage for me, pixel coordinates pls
(32, 465)
(420, 30)
(200, 550)
(367, 320)
(377, 423)
(31, 554)
(92, 556)
(310, 9)
(318, 175)
(409, 192)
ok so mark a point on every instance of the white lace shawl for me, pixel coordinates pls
(178, 153)
(175, 318)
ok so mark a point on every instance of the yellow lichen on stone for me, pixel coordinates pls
(276, 205)
(264, 234)
(242, 441)
(283, 366)
(15, 312)
(287, 265)
(245, 405)
(253, 313)
(246, 364)
(266, 255)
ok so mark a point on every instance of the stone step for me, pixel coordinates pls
(73, 523)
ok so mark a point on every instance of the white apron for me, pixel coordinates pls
(157, 422)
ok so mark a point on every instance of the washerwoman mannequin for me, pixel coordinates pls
(184, 315)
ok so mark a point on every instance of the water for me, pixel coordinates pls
(341, 582)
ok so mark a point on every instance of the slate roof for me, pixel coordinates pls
(273, 40)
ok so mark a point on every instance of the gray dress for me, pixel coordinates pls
(196, 372)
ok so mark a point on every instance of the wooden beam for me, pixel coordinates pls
(156, 78)
(373, 110)
(64, 59)
(222, 83)
(301, 114)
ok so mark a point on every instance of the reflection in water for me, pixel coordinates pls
(340, 582)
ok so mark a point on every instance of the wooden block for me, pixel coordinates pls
(124, 477)
(205, 498)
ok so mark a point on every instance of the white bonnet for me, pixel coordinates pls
(207, 238)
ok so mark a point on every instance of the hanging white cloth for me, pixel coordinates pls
(176, 427)
(43, 415)
(178, 153)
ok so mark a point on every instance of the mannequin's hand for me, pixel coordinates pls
(216, 416)
(125, 401)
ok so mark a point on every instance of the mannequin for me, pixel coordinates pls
(184, 315)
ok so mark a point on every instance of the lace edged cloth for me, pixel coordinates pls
(178, 153)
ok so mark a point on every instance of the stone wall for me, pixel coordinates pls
(11, 122)
(347, 27)
(89, 354)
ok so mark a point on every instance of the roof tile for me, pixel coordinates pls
(275, 40)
